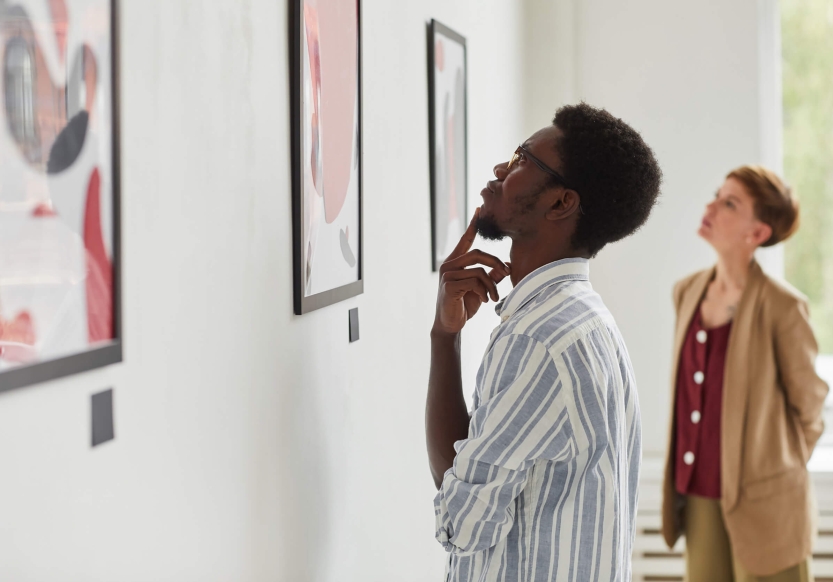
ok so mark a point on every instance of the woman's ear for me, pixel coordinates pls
(761, 233)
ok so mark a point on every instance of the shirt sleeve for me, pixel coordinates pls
(796, 350)
(522, 418)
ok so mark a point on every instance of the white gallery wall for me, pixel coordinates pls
(255, 445)
(252, 444)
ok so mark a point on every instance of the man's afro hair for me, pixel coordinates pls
(613, 170)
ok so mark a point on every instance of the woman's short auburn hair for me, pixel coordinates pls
(775, 202)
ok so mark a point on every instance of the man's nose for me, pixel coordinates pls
(501, 171)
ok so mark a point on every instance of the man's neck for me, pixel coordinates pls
(528, 255)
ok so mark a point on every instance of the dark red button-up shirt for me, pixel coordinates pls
(698, 409)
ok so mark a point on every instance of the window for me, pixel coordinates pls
(807, 63)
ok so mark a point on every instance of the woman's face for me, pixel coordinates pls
(729, 223)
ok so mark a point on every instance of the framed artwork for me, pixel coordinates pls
(448, 127)
(326, 151)
(59, 189)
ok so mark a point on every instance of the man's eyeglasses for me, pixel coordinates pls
(523, 153)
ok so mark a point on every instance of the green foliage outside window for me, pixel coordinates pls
(807, 49)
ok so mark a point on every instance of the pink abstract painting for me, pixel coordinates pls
(329, 150)
(56, 179)
(449, 147)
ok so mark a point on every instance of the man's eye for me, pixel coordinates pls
(522, 157)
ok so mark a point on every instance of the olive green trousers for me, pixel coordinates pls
(708, 555)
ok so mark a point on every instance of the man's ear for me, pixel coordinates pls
(565, 203)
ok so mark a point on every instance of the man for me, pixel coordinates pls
(540, 482)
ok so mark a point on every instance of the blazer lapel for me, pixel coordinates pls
(686, 306)
(689, 303)
(736, 388)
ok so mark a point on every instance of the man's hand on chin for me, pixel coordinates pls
(464, 287)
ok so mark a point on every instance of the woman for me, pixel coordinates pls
(748, 402)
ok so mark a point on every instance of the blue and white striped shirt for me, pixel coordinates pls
(545, 487)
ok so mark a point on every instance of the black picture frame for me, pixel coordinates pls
(303, 304)
(435, 28)
(111, 352)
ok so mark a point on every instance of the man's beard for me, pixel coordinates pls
(488, 228)
(487, 225)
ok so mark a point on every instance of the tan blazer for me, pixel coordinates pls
(771, 421)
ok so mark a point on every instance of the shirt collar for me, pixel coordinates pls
(574, 269)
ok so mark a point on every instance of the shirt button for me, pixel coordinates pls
(503, 318)
(695, 416)
(688, 458)
(699, 377)
(702, 336)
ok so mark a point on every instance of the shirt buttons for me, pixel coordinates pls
(699, 377)
(695, 416)
(702, 336)
(503, 318)
(688, 458)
